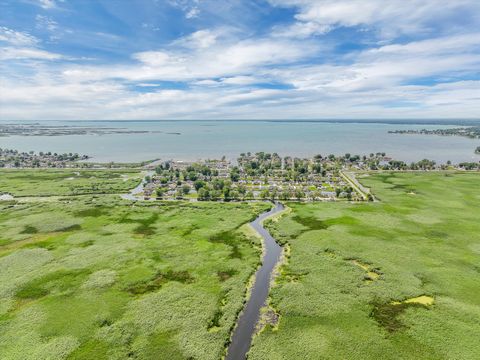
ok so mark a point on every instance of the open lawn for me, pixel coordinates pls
(103, 278)
(396, 279)
(47, 182)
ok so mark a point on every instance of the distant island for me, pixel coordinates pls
(51, 130)
(472, 132)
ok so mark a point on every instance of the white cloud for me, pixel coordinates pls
(189, 7)
(199, 39)
(221, 61)
(147, 85)
(302, 30)
(153, 58)
(443, 45)
(389, 18)
(45, 22)
(17, 38)
(241, 80)
(11, 53)
(110, 100)
(22, 45)
(47, 4)
(192, 13)
(207, 82)
(222, 70)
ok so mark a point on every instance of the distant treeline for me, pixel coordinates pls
(470, 132)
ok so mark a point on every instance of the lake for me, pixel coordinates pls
(214, 139)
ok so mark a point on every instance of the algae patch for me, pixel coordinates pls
(423, 300)
(372, 274)
(387, 314)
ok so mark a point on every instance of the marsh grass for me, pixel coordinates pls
(226, 274)
(229, 238)
(88, 284)
(60, 281)
(349, 262)
(157, 281)
(28, 229)
(48, 182)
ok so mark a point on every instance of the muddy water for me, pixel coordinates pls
(242, 335)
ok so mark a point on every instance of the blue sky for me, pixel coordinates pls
(239, 59)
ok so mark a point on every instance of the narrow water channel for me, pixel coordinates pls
(247, 321)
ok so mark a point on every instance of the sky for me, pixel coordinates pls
(239, 59)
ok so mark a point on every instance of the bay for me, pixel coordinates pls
(193, 140)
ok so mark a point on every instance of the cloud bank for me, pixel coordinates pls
(288, 59)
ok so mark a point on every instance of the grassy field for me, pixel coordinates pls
(38, 182)
(102, 278)
(397, 279)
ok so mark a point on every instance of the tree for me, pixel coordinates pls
(179, 194)
(215, 195)
(273, 194)
(226, 193)
(317, 168)
(234, 195)
(199, 184)
(203, 194)
(192, 176)
(299, 194)
(285, 195)
(160, 192)
(218, 184)
(242, 190)
(235, 175)
(185, 189)
(265, 194)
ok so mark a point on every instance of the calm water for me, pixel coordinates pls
(243, 333)
(213, 139)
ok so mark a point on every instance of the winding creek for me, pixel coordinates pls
(247, 321)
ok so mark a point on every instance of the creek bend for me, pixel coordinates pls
(246, 323)
(248, 319)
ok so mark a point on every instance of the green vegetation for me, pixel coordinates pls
(395, 279)
(472, 132)
(14, 158)
(97, 277)
(43, 182)
(260, 176)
